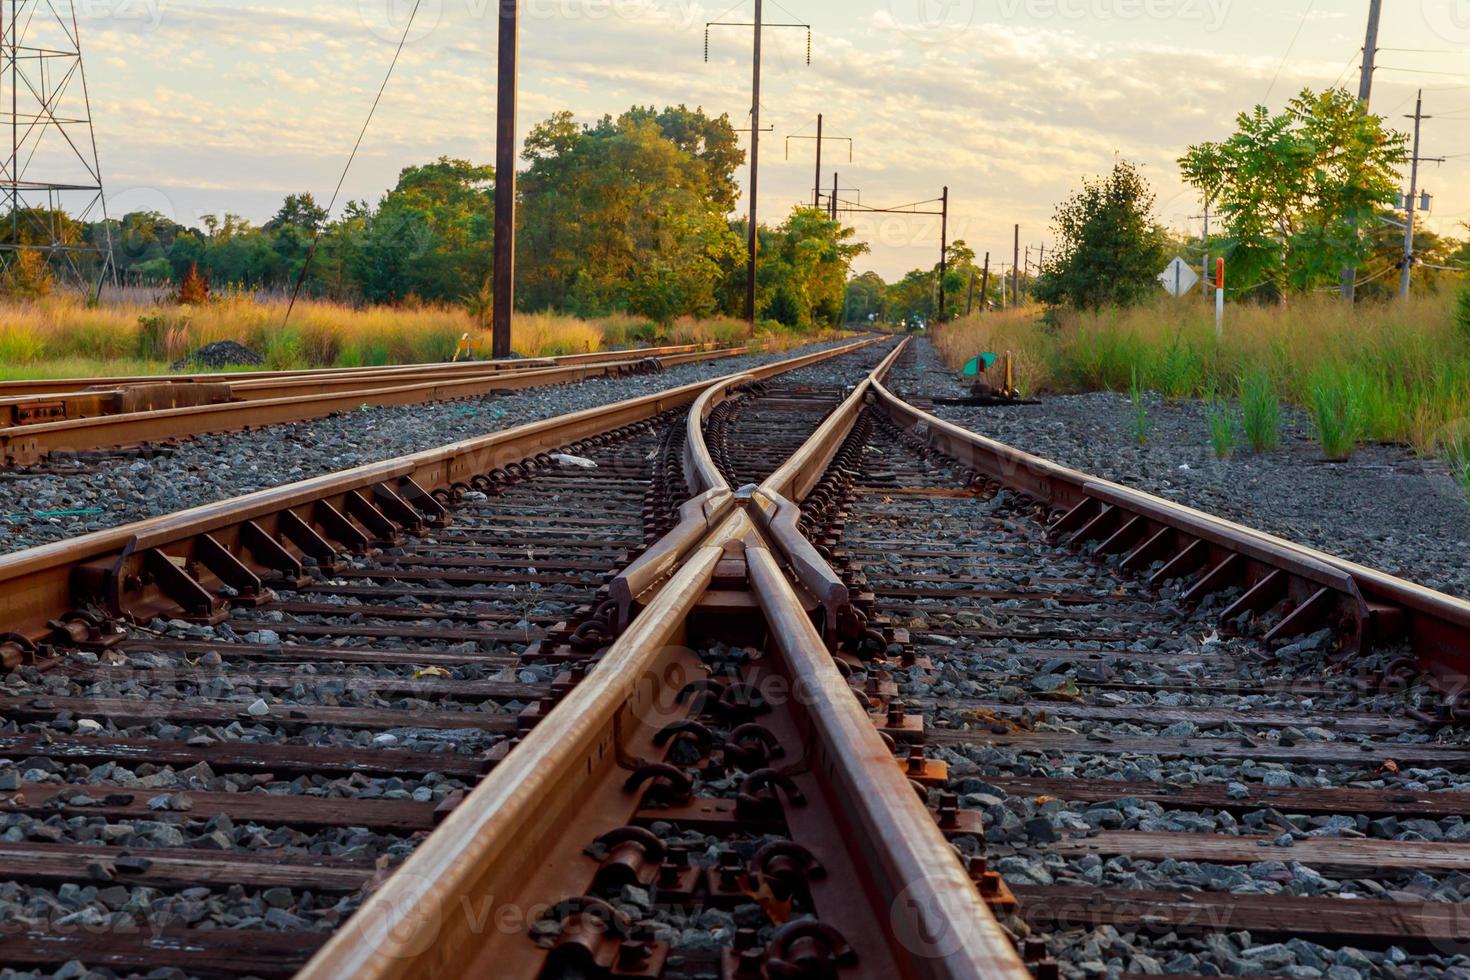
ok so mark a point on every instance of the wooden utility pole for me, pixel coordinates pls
(817, 184)
(1347, 288)
(985, 284)
(503, 284)
(970, 296)
(1406, 276)
(755, 156)
(1016, 267)
(943, 250)
(833, 209)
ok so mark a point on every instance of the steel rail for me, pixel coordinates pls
(712, 497)
(935, 910)
(179, 564)
(26, 444)
(489, 859)
(504, 856)
(47, 386)
(271, 388)
(1366, 605)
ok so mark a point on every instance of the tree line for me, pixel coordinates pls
(629, 214)
(1296, 197)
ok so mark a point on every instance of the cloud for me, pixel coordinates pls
(244, 102)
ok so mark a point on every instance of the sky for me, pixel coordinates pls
(208, 106)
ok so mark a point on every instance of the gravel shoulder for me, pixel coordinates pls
(1385, 507)
(44, 506)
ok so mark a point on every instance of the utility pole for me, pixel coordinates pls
(755, 140)
(820, 138)
(1348, 286)
(503, 287)
(943, 249)
(755, 157)
(833, 208)
(1204, 270)
(1005, 282)
(985, 284)
(1016, 266)
(817, 184)
(1411, 202)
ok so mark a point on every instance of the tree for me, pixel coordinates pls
(1109, 247)
(865, 297)
(298, 211)
(626, 215)
(432, 235)
(1292, 189)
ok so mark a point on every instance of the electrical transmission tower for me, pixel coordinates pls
(53, 211)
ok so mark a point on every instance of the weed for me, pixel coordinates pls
(1221, 418)
(1140, 410)
(1462, 314)
(1260, 411)
(1338, 411)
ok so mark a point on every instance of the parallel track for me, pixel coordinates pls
(65, 419)
(981, 646)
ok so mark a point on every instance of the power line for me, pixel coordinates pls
(1300, 24)
(315, 242)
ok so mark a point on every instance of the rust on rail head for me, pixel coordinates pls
(1311, 589)
(316, 398)
(185, 563)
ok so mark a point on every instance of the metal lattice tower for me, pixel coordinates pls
(50, 175)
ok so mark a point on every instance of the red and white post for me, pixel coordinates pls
(1219, 298)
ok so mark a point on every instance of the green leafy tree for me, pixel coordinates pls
(432, 236)
(1109, 247)
(627, 215)
(865, 295)
(1292, 188)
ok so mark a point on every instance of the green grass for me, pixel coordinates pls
(79, 367)
(1140, 410)
(1221, 419)
(1340, 404)
(1260, 411)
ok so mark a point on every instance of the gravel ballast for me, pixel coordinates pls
(1064, 696)
(51, 506)
(1385, 507)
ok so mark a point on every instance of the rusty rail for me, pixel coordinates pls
(899, 903)
(1313, 589)
(51, 386)
(181, 564)
(30, 443)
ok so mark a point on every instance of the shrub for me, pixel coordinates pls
(1462, 314)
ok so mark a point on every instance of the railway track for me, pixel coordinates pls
(77, 417)
(819, 686)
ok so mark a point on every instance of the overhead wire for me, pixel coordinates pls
(316, 241)
(1300, 24)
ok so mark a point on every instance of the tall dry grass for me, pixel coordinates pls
(1390, 372)
(61, 336)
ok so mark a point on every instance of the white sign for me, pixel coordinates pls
(1179, 278)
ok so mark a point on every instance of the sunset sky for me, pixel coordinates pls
(211, 106)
